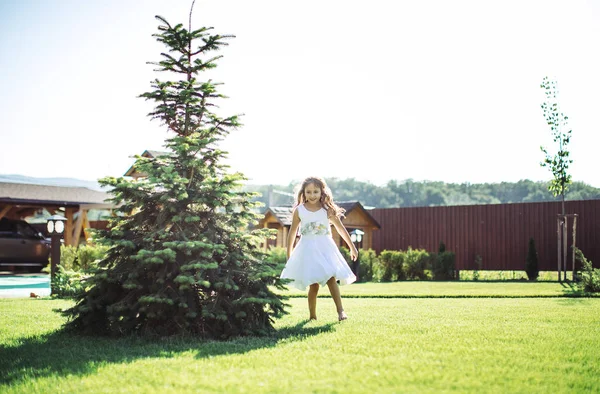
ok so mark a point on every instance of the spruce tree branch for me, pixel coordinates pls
(189, 73)
(190, 20)
(211, 46)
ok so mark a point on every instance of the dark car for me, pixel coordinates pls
(21, 245)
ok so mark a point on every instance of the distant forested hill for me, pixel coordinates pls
(411, 193)
(406, 193)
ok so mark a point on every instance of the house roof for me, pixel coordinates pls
(156, 153)
(25, 193)
(284, 214)
(350, 205)
(149, 154)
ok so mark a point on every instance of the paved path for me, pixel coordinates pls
(21, 285)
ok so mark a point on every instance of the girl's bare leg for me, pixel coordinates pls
(312, 300)
(337, 298)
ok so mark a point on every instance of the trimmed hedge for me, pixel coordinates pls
(391, 265)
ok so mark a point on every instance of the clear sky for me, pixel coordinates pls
(375, 90)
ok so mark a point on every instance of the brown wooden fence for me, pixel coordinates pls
(498, 233)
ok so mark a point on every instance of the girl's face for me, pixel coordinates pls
(312, 193)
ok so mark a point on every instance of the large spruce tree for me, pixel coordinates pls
(182, 259)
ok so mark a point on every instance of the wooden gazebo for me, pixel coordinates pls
(19, 200)
(356, 218)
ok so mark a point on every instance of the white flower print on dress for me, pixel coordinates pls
(314, 228)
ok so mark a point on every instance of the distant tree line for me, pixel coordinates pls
(410, 193)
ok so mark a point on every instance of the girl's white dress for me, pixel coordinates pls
(316, 258)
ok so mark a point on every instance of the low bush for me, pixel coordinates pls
(364, 266)
(478, 265)
(443, 266)
(277, 255)
(76, 264)
(398, 258)
(81, 258)
(442, 247)
(68, 283)
(368, 259)
(385, 269)
(415, 263)
(346, 253)
(590, 277)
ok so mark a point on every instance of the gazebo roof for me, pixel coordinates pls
(24, 193)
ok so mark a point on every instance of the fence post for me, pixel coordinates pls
(565, 248)
(574, 239)
(558, 223)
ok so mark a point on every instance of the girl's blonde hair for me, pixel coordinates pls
(326, 196)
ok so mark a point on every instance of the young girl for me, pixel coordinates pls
(316, 259)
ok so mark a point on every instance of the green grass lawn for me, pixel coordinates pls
(510, 275)
(454, 289)
(420, 345)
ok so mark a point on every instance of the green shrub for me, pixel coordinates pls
(76, 264)
(531, 264)
(398, 258)
(82, 258)
(68, 258)
(367, 259)
(88, 255)
(378, 270)
(385, 268)
(590, 276)
(68, 283)
(443, 266)
(415, 263)
(442, 247)
(277, 255)
(479, 265)
(346, 253)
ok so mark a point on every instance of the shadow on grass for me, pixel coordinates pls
(61, 354)
(570, 289)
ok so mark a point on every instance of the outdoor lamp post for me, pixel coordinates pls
(356, 237)
(55, 227)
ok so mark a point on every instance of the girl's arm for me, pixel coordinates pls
(344, 233)
(292, 233)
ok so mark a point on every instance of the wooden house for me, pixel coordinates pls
(356, 218)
